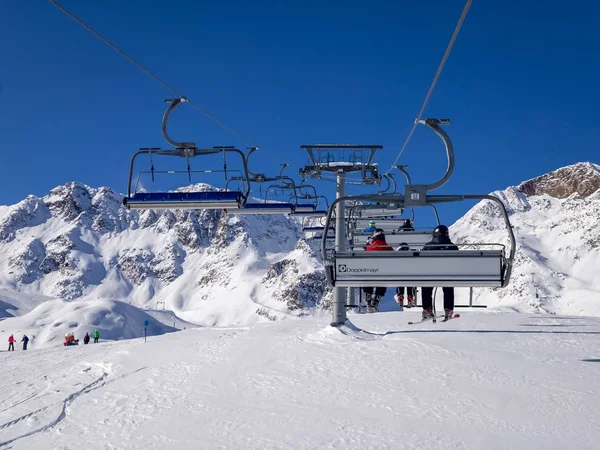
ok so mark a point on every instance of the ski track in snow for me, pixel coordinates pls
(487, 380)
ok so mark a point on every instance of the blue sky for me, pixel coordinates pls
(520, 86)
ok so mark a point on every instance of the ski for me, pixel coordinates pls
(424, 320)
(455, 316)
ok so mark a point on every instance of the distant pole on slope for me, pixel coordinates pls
(534, 285)
(146, 323)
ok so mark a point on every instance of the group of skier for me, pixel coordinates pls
(69, 340)
(11, 342)
(440, 241)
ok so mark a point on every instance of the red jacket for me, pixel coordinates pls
(378, 245)
(11, 339)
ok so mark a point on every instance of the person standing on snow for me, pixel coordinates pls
(86, 338)
(377, 244)
(11, 343)
(25, 340)
(96, 336)
(410, 291)
(441, 241)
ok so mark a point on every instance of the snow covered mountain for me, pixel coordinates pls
(556, 218)
(79, 243)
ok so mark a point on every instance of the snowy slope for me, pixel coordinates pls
(489, 380)
(556, 226)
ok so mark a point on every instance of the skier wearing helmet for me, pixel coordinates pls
(377, 244)
(441, 241)
(371, 227)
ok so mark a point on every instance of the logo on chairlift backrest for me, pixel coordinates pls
(346, 269)
(414, 196)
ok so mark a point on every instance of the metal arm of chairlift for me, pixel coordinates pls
(434, 124)
(389, 184)
(185, 149)
(432, 199)
(172, 105)
(403, 170)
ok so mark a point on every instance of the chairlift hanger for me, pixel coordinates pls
(185, 200)
(434, 268)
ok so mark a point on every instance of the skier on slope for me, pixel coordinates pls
(96, 336)
(410, 291)
(377, 244)
(86, 338)
(441, 241)
(25, 340)
(11, 343)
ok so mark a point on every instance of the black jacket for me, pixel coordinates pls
(440, 243)
(406, 227)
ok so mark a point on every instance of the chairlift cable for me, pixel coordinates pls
(177, 93)
(434, 82)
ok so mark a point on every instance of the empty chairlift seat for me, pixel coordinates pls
(432, 268)
(184, 200)
(273, 208)
(266, 208)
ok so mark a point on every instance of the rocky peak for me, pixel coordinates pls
(579, 180)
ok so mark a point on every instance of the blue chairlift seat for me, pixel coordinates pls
(266, 208)
(185, 200)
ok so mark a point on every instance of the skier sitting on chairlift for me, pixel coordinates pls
(371, 227)
(378, 243)
(441, 241)
(410, 291)
(406, 226)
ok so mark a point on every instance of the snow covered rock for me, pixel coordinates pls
(555, 218)
(80, 243)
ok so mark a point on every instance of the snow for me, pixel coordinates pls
(492, 380)
(558, 251)
(48, 323)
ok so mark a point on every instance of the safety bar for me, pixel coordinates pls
(187, 153)
(431, 268)
(433, 199)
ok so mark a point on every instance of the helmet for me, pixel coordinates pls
(371, 223)
(403, 246)
(378, 233)
(441, 230)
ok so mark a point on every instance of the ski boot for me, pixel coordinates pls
(427, 313)
(399, 299)
(448, 314)
(369, 300)
(412, 303)
(376, 303)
